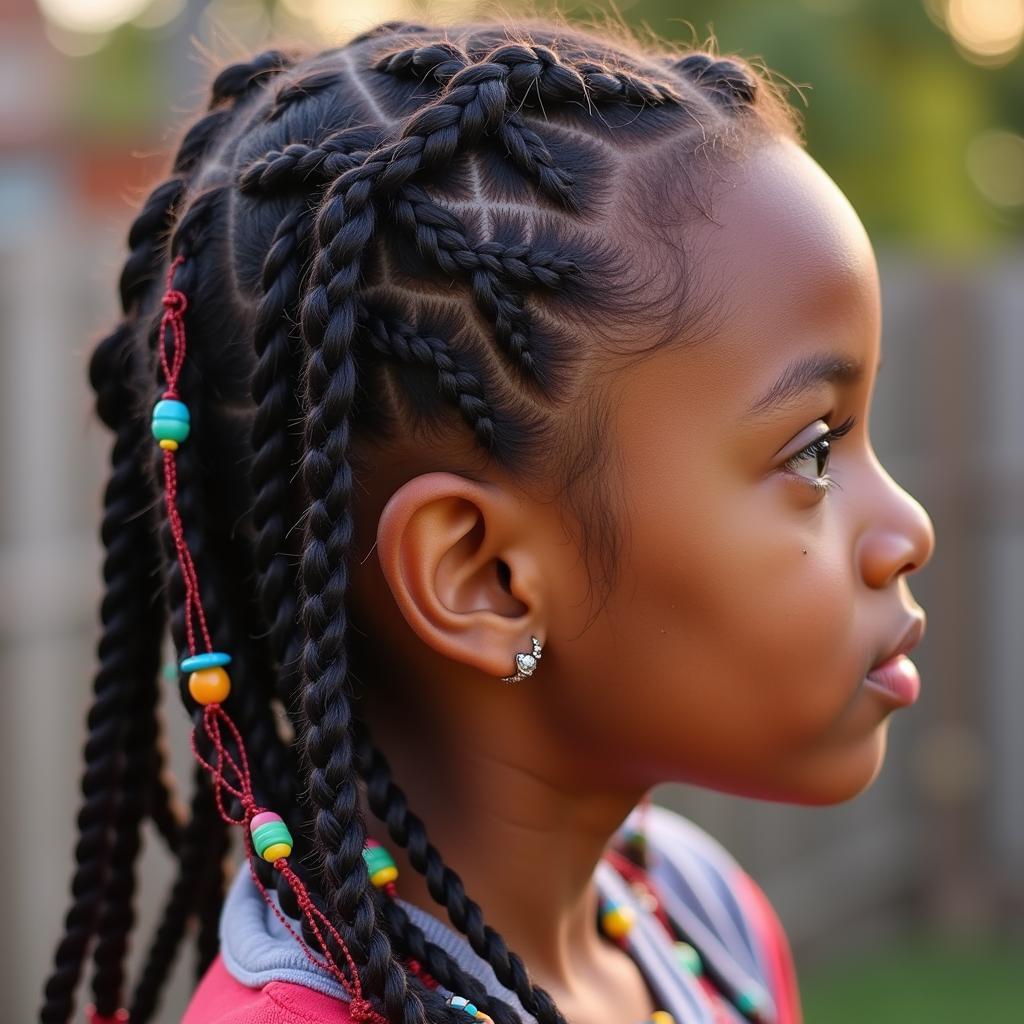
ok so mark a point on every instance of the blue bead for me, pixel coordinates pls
(212, 659)
(171, 409)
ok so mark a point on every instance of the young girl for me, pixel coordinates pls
(491, 431)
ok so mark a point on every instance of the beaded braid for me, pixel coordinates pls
(126, 609)
(139, 774)
(217, 742)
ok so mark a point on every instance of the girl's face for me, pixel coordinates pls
(751, 602)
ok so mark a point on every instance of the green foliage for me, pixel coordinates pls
(889, 103)
(918, 981)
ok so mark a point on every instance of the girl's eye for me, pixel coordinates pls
(815, 457)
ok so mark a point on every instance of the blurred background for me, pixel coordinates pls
(906, 904)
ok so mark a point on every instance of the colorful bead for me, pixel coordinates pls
(171, 420)
(270, 836)
(462, 1003)
(169, 445)
(209, 686)
(379, 863)
(617, 919)
(211, 659)
(688, 957)
(748, 1002)
(662, 1017)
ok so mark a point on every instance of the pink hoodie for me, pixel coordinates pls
(261, 976)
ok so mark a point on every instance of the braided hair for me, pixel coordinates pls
(423, 233)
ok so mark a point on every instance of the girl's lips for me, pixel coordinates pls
(897, 680)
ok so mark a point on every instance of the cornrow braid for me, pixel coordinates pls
(392, 338)
(728, 83)
(297, 164)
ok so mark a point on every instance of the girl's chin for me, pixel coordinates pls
(828, 776)
(837, 776)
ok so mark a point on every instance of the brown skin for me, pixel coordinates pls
(732, 650)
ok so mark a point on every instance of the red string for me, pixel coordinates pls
(95, 1017)
(230, 770)
(175, 303)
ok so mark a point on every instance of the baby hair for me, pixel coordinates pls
(427, 233)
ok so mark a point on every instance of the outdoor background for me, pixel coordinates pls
(906, 904)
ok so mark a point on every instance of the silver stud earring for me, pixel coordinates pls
(526, 664)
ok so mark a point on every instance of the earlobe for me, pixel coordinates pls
(457, 557)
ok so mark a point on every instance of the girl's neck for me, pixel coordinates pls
(524, 844)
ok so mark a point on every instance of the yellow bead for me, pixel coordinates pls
(168, 444)
(617, 922)
(209, 685)
(662, 1017)
(276, 852)
(384, 875)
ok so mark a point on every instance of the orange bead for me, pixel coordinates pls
(209, 685)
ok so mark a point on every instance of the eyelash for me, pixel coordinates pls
(825, 483)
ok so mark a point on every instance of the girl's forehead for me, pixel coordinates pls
(795, 278)
(788, 247)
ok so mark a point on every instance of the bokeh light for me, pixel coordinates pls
(986, 31)
(995, 162)
(96, 16)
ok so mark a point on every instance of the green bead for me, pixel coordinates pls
(688, 957)
(377, 857)
(747, 1002)
(269, 834)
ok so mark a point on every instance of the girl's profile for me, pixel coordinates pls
(490, 418)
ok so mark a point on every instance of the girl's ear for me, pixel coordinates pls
(464, 569)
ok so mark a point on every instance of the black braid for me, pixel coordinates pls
(126, 610)
(210, 901)
(727, 82)
(127, 618)
(118, 915)
(388, 802)
(396, 339)
(536, 69)
(297, 164)
(274, 387)
(237, 81)
(161, 807)
(194, 852)
(340, 833)
(414, 945)
(128, 785)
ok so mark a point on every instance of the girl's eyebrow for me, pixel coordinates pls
(805, 373)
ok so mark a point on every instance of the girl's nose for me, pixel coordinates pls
(898, 538)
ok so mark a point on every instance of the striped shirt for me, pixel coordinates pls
(262, 975)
